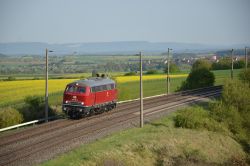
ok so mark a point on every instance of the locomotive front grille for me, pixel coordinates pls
(75, 103)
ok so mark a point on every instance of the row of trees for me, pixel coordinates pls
(110, 66)
(225, 63)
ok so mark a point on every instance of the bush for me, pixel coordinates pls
(227, 115)
(36, 78)
(237, 94)
(130, 74)
(11, 78)
(245, 76)
(152, 72)
(9, 117)
(197, 79)
(196, 118)
(246, 122)
(34, 108)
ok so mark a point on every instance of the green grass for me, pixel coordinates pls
(222, 75)
(131, 90)
(157, 143)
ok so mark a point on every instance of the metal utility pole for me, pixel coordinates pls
(141, 93)
(168, 78)
(246, 58)
(232, 69)
(46, 87)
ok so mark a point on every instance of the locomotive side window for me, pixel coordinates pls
(98, 89)
(93, 89)
(102, 88)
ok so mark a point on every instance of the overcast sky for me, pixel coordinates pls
(63, 21)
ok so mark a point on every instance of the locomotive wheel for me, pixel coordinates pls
(91, 112)
(71, 116)
(109, 107)
(106, 109)
(86, 114)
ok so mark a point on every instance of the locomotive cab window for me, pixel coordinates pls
(81, 89)
(75, 89)
(71, 88)
(108, 87)
(104, 87)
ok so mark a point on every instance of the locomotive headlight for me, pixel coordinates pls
(82, 103)
(66, 101)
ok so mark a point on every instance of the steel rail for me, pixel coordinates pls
(48, 128)
(15, 138)
(41, 120)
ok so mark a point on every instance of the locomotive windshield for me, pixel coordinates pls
(75, 89)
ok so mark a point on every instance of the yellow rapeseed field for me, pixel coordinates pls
(16, 91)
(122, 79)
(12, 91)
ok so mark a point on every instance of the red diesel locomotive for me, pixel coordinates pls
(89, 96)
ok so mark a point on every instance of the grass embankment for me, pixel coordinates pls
(158, 143)
(215, 134)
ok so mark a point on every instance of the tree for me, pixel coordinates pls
(173, 68)
(152, 71)
(201, 64)
(198, 78)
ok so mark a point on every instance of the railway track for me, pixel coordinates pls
(21, 147)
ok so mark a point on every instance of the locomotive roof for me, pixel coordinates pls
(94, 81)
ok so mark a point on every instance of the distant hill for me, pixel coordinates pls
(126, 47)
(238, 52)
(3, 56)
